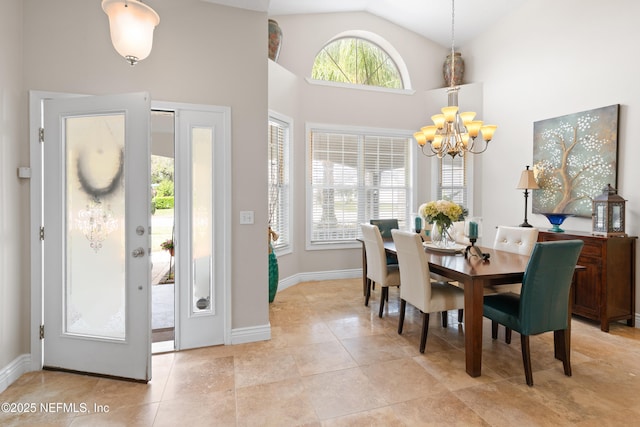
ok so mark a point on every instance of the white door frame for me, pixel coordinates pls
(222, 188)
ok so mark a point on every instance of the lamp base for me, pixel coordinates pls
(525, 224)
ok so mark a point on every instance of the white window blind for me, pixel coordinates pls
(354, 178)
(453, 180)
(279, 188)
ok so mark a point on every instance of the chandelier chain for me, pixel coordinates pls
(452, 40)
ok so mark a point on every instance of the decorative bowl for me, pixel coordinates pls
(556, 219)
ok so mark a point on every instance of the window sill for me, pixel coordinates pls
(359, 87)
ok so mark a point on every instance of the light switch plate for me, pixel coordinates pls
(246, 217)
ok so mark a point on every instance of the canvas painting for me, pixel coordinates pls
(574, 158)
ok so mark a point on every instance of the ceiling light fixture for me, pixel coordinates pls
(131, 24)
(454, 133)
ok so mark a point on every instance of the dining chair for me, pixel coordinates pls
(519, 240)
(385, 226)
(418, 289)
(458, 233)
(543, 303)
(377, 269)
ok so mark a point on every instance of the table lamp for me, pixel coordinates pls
(527, 182)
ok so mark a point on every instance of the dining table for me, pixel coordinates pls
(474, 273)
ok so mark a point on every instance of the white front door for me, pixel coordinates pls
(96, 235)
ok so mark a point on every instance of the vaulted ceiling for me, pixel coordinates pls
(429, 18)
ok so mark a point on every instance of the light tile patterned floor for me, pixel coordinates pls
(333, 362)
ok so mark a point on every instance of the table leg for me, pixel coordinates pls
(473, 302)
(364, 270)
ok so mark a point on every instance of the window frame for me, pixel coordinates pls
(360, 132)
(437, 187)
(286, 204)
(385, 46)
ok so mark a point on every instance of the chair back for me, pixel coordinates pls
(385, 226)
(519, 240)
(544, 299)
(458, 233)
(374, 249)
(414, 269)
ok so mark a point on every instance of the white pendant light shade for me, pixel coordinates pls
(131, 24)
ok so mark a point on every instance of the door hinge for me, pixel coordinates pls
(41, 134)
(41, 332)
(41, 233)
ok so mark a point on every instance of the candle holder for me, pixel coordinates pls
(473, 250)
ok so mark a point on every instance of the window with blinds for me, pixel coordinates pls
(452, 184)
(355, 177)
(279, 189)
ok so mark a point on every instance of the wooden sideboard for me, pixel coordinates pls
(606, 289)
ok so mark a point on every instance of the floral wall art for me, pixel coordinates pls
(574, 158)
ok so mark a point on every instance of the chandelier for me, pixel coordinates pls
(96, 222)
(454, 133)
(131, 24)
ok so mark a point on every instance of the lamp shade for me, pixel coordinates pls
(527, 180)
(131, 24)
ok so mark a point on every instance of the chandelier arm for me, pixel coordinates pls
(486, 145)
(433, 153)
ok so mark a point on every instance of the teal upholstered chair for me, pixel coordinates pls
(385, 226)
(543, 303)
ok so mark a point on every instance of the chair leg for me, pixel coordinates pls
(526, 359)
(383, 297)
(444, 319)
(460, 315)
(403, 306)
(425, 329)
(368, 294)
(507, 335)
(564, 351)
(494, 329)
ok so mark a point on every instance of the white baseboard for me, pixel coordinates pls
(318, 275)
(10, 373)
(251, 334)
(637, 324)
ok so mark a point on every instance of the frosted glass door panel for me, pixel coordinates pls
(94, 292)
(202, 219)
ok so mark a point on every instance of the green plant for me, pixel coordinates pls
(163, 202)
(167, 245)
(165, 188)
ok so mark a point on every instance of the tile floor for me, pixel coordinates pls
(332, 362)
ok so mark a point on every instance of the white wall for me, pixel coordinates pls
(291, 94)
(202, 53)
(14, 193)
(546, 60)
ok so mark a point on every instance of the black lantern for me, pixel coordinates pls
(608, 213)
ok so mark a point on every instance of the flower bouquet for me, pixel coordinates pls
(442, 214)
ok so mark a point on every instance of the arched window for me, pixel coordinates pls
(355, 60)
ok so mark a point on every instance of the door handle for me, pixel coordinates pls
(137, 252)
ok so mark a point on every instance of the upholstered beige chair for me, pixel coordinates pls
(377, 269)
(519, 240)
(458, 233)
(417, 287)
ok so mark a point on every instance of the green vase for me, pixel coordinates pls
(273, 274)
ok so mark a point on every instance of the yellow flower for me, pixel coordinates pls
(441, 211)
